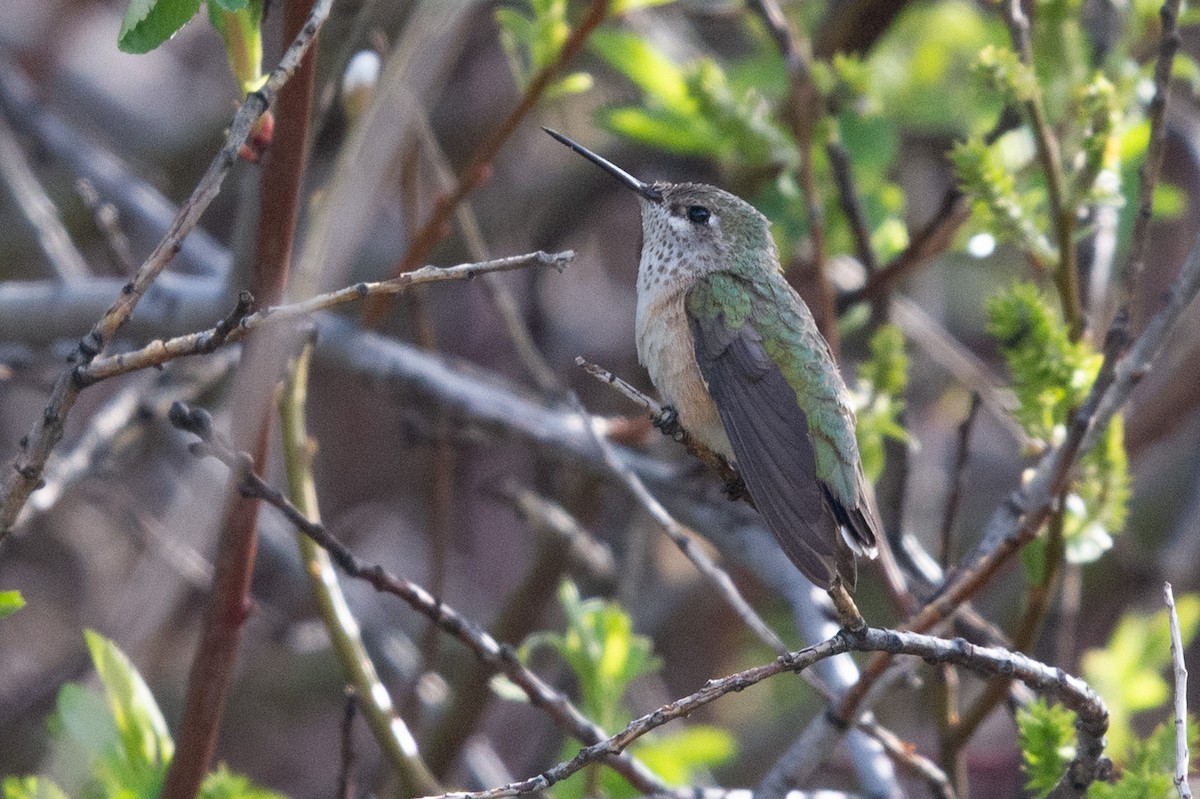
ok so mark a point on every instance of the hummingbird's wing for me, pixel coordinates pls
(782, 405)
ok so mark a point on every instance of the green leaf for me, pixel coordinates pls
(986, 173)
(1047, 739)
(602, 650)
(10, 603)
(149, 23)
(575, 83)
(224, 784)
(140, 724)
(31, 788)
(664, 130)
(229, 5)
(1169, 202)
(656, 75)
(241, 33)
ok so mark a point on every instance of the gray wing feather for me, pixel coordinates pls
(769, 434)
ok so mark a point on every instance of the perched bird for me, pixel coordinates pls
(735, 352)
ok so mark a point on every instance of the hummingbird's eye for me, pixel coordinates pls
(698, 214)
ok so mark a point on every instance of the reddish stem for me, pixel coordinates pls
(212, 669)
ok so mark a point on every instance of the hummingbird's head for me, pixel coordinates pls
(690, 227)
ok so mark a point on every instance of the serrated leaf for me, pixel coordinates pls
(149, 23)
(1047, 738)
(140, 724)
(10, 603)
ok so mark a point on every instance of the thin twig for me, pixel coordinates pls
(560, 544)
(501, 657)
(38, 209)
(958, 479)
(1182, 757)
(851, 202)
(108, 222)
(47, 430)
(682, 537)
(473, 173)
(1135, 261)
(658, 416)
(1071, 691)
(159, 352)
(345, 782)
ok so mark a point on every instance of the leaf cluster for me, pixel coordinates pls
(113, 743)
(605, 656)
(1051, 376)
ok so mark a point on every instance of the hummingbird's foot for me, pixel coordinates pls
(668, 423)
(735, 489)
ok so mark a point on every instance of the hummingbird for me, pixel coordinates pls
(735, 352)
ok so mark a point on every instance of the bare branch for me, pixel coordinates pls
(500, 657)
(39, 209)
(1182, 758)
(1071, 691)
(236, 327)
(47, 430)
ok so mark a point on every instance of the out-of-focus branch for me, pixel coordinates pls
(437, 225)
(501, 657)
(391, 733)
(560, 544)
(927, 243)
(1075, 694)
(524, 346)
(38, 209)
(48, 429)
(108, 223)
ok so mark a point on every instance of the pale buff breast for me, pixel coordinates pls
(666, 349)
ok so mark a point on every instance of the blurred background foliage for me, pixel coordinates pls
(926, 109)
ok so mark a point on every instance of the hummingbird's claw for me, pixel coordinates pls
(668, 423)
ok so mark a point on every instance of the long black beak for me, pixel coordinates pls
(629, 181)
